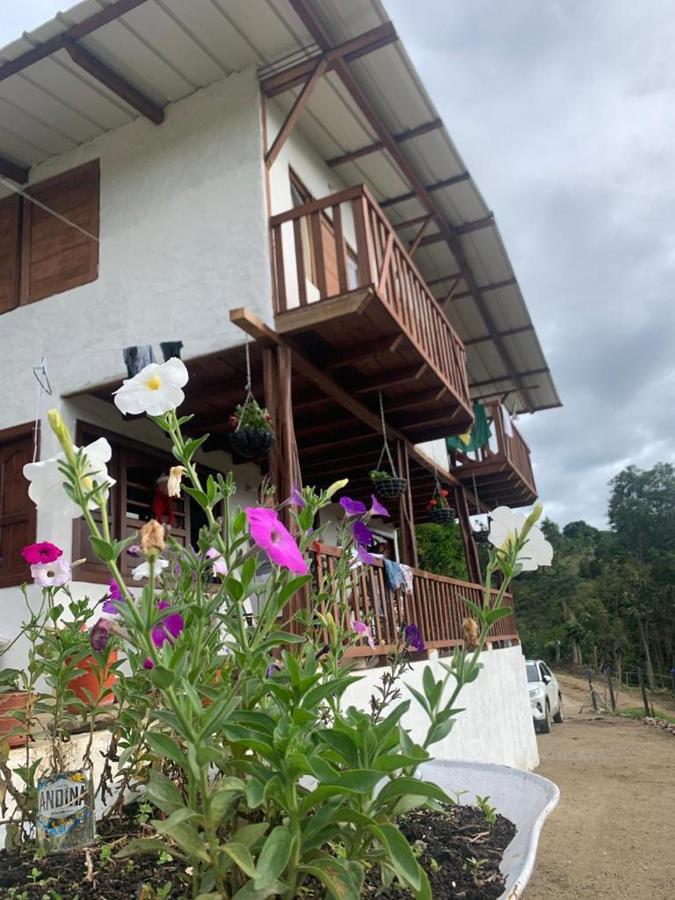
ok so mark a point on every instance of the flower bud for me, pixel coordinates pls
(471, 633)
(336, 486)
(58, 426)
(173, 484)
(152, 538)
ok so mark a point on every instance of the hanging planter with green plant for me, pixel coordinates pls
(386, 483)
(253, 436)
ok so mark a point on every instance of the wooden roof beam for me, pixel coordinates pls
(459, 230)
(485, 288)
(295, 112)
(508, 333)
(74, 33)
(414, 244)
(475, 384)
(367, 42)
(114, 82)
(359, 352)
(13, 171)
(436, 186)
(388, 379)
(434, 125)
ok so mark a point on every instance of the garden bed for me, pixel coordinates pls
(458, 848)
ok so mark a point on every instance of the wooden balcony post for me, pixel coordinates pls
(271, 398)
(405, 509)
(470, 549)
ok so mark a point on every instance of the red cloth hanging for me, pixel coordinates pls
(162, 508)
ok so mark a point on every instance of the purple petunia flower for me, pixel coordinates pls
(367, 558)
(115, 596)
(413, 638)
(363, 630)
(352, 507)
(362, 534)
(376, 508)
(100, 634)
(169, 628)
(272, 669)
(134, 550)
(296, 499)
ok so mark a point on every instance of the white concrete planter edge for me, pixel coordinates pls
(523, 797)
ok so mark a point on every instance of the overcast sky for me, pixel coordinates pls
(564, 114)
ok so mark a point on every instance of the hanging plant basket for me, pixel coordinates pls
(390, 488)
(442, 515)
(251, 443)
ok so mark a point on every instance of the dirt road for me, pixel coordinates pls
(613, 834)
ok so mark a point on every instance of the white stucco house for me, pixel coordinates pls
(270, 171)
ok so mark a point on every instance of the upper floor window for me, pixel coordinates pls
(40, 253)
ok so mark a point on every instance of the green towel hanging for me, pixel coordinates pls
(477, 437)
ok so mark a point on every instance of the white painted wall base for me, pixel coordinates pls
(496, 725)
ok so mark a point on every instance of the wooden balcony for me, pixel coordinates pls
(436, 605)
(502, 473)
(350, 296)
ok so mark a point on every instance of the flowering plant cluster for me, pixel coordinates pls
(251, 415)
(233, 666)
(439, 500)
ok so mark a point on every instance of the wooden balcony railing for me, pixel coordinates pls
(510, 451)
(344, 243)
(436, 605)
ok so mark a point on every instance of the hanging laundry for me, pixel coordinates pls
(393, 574)
(407, 578)
(137, 358)
(477, 437)
(506, 420)
(171, 349)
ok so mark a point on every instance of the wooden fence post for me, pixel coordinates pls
(643, 689)
(610, 688)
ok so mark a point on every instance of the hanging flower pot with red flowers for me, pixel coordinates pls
(252, 435)
(440, 511)
(386, 484)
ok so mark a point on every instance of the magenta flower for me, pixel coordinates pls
(53, 574)
(364, 630)
(114, 596)
(362, 534)
(272, 537)
(219, 564)
(376, 508)
(41, 553)
(413, 637)
(352, 507)
(148, 663)
(168, 628)
(100, 634)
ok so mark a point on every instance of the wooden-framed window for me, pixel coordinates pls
(135, 468)
(40, 254)
(17, 510)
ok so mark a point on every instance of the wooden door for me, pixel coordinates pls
(17, 510)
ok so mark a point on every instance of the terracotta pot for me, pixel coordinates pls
(9, 701)
(87, 687)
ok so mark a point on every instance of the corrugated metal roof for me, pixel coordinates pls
(169, 48)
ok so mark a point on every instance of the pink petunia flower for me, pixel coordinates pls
(364, 630)
(51, 574)
(41, 553)
(219, 564)
(272, 537)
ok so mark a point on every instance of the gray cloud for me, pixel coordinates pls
(563, 112)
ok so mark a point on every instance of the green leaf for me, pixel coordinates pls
(165, 746)
(274, 856)
(192, 446)
(492, 615)
(189, 841)
(162, 677)
(404, 785)
(241, 856)
(335, 876)
(104, 549)
(144, 845)
(164, 793)
(395, 761)
(401, 857)
(250, 834)
(254, 793)
(249, 892)
(199, 496)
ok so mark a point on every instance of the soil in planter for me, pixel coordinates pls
(457, 848)
(64, 875)
(459, 851)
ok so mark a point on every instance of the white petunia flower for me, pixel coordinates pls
(155, 390)
(506, 525)
(54, 574)
(143, 571)
(46, 479)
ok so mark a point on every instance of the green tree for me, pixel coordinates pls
(440, 550)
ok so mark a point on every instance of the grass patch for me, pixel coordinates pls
(637, 712)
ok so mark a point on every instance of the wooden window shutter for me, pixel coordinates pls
(10, 218)
(55, 257)
(17, 510)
